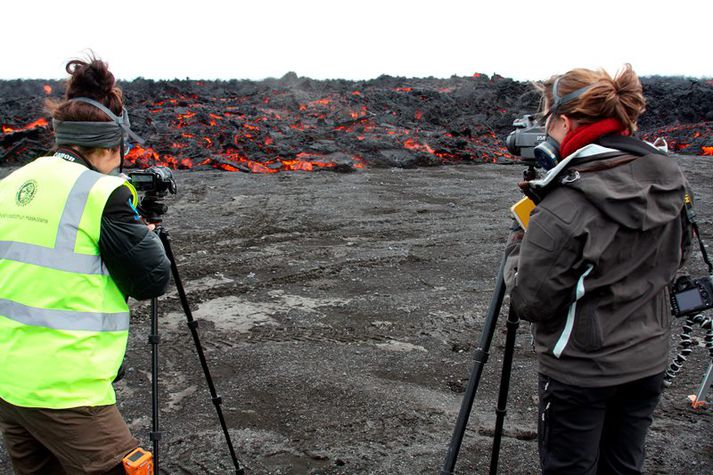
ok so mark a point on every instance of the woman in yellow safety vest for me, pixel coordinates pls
(72, 249)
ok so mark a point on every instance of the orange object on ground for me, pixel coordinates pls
(139, 462)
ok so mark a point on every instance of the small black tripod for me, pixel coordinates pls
(480, 357)
(154, 340)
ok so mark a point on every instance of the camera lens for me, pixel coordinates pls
(511, 143)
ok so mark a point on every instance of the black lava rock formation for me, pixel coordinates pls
(296, 123)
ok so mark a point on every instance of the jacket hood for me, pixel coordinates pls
(638, 192)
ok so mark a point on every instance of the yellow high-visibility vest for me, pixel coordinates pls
(64, 323)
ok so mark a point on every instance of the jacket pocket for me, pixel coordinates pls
(588, 331)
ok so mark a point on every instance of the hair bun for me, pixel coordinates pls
(620, 97)
(89, 79)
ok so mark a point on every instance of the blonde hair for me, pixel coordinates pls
(620, 97)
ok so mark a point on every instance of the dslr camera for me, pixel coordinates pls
(691, 296)
(155, 183)
(154, 180)
(527, 135)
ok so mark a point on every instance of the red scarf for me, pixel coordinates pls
(586, 134)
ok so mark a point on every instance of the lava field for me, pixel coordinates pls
(296, 123)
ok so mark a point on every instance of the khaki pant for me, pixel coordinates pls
(81, 440)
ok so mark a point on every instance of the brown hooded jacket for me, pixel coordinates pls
(595, 262)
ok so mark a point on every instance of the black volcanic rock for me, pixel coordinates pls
(296, 123)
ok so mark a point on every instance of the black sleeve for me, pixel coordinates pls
(133, 255)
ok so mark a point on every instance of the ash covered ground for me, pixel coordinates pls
(339, 313)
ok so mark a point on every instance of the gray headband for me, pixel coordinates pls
(94, 134)
(560, 101)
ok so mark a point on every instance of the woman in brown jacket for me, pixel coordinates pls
(602, 245)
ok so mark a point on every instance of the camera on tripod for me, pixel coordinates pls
(691, 296)
(154, 180)
(528, 134)
(155, 183)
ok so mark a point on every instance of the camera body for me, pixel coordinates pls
(154, 180)
(155, 183)
(691, 296)
(527, 135)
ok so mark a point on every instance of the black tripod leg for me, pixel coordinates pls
(154, 340)
(480, 357)
(500, 411)
(192, 325)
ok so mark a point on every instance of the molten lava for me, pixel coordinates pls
(41, 122)
(297, 124)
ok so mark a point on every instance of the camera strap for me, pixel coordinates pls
(691, 215)
(71, 155)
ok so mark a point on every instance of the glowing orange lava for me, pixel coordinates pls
(42, 122)
(411, 144)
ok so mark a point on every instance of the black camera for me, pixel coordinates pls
(155, 183)
(154, 180)
(691, 296)
(527, 135)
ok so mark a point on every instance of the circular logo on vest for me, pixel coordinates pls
(26, 192)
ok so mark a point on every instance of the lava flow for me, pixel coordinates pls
(298, 124)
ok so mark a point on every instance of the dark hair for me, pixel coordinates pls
(87, 78)
(619, 97)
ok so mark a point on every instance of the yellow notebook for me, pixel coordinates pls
(521, 210)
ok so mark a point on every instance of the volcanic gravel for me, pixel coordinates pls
(339, 313)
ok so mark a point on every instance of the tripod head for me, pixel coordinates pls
(530, 173)
(152, 208)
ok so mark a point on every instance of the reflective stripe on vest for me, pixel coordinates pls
(64, 319)
(67, 261)
(73, 209)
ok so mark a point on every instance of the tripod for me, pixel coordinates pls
(154, 340)
(480, 357)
